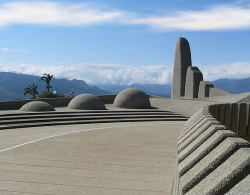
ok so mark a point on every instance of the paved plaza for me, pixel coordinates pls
(112, 158)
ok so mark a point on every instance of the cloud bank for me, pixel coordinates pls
(217, 17)
(126, 74)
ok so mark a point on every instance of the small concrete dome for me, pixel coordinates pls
(37, 106)
(86, 102)
(132, 98)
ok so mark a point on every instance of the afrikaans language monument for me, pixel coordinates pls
(131, 143)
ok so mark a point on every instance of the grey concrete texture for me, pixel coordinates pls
(181, 63)
(204, 89)
(210, 162)
(197, 117)
(248, 116)
(192, 120)
(204, 149)
(109, 159)
(217, 92)
(221, 117)
(132, 98)
(195, 132)
(86, 102)
(193, 79)
(241, 188)
(228, 115)
(242, 131)
(232, 98)
(196, 122)
(37, 106)
(235, 117)
(199, 140)
(183, 106)
(227, 175)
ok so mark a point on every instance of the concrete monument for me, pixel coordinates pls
(181, 63)
(204, 89)
(193, 79)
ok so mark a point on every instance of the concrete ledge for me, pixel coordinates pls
(210, 162)
(210, 158)
(196, 132)
(199, 140)
(227, 175)
(203, 150)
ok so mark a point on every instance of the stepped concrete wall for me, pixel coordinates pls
(211, 157)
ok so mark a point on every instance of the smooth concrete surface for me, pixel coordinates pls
(204, 89)
(193, 79)
(132, 98)
(181, 62)
(86, 102)
(217, 92)
(232, 98)
(120, 158)
(37, 106)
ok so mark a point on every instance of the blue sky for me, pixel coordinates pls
(124, 42)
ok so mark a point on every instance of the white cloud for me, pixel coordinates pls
(53, 13)
(236, 70)
(5, 49)
(217, 17)
(126, 74)
(100, 73)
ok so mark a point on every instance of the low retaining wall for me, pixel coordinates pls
(211, 158)
(233, 116)
(55, 102)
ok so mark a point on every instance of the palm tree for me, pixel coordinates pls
(32, 90)
(47, 78)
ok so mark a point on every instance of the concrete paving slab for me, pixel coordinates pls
(126, 158)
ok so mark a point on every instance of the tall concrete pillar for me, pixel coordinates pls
(181, 62)
(193, 79)
(204, 89)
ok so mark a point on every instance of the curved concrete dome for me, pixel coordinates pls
(37, 106)
(86, 102)
(132, 98)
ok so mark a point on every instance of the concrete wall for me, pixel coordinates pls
(55, 102)
(211, 158)
(235, 117)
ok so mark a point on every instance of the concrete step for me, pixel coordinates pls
(20, 113)
(56, 115)
(86, 121)
(85, 117)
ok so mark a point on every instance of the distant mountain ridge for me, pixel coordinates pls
(153, 89)
(12, 86)
(233, 85)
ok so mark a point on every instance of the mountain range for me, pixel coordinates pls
(12, 86)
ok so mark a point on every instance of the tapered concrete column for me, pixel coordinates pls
(193, 79)
(181, 63)
(204, 89)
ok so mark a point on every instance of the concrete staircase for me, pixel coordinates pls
(24, 120)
